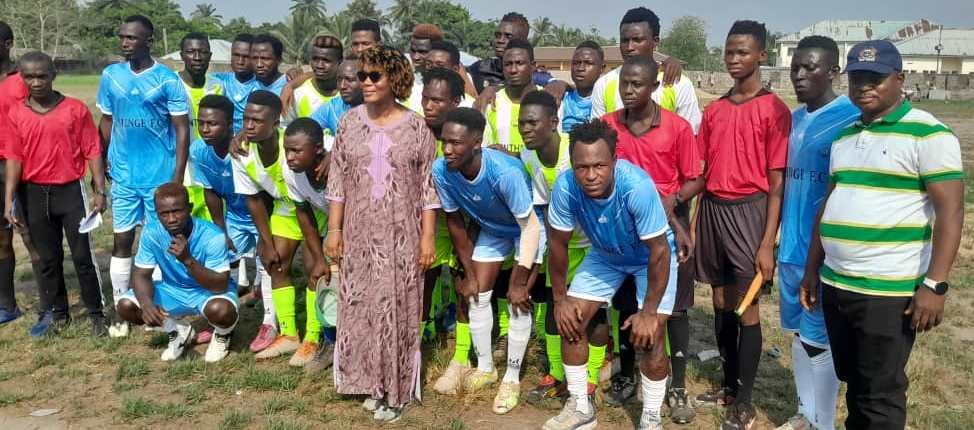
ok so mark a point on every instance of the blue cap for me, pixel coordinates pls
(878, 56)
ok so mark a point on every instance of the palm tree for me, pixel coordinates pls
(101, 5)
(403, 13)
(314, 9)
(204, 11)
(339, 26)
(296, 33)
(563, 35)
(541, 31)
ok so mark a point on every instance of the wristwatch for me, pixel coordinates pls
(939, 288)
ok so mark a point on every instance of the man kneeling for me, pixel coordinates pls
(194, 259)
(617, 206)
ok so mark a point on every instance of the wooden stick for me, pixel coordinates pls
(752, 292)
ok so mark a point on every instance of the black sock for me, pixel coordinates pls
(678, 329)
(627, 354)
(727, 327)
(750, 355)
(7, 299)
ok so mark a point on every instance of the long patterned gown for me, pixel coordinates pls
(382, 174)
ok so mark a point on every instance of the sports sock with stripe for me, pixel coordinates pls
(481, 322)
(284, 306)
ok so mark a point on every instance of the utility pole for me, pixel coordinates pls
(165, 42)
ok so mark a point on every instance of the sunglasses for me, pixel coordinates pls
(373, 76)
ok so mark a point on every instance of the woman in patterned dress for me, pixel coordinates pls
(379, 182)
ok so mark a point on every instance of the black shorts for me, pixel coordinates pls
(729, 233)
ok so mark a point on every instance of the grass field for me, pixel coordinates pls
(121, 383)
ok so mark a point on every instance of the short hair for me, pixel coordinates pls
(589, 132)
(141, 19)
(172, 189)
(449, 48)
(324, 41)
(470, 118)
(6, 33)
(589, 44)
(276, 45)
(366, 24)
(452, 79)
(824, 43)
(540, 98)
(641, 14)
(641, 61)
(194, 35)
(244, 37)
(220, 103)
(394, 65)
(37, 57)
(266, 98)
(521, 44)
(751, 28)
(516, 19)
(307, 127)
(428, 31)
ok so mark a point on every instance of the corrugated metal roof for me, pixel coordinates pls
(851, 30)
(219, 47)
(956, 42)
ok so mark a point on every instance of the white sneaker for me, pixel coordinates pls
(452, 379)
(119, 329)
(178, 341)
(387, 414)
(218, 349)
(507, 397)
(797, 422)
(571, 419)
(371, 404)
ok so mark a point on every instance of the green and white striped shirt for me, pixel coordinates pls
(878, 222)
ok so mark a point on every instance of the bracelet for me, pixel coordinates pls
(334, 230)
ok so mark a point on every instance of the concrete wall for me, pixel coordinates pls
(959, 86)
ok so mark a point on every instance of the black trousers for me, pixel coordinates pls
(53, 212)
(871, 341)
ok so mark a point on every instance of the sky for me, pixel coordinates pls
(781, 15)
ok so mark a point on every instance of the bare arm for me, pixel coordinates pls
(335, 243)
(144, 293)
(765, 255)
(462, 242)
(948, 205)
(427, 246)
(180, 124)
(558, 262)
(216, 282)
(105, 133)
(312, 239)
(214, 204)
(658, 272)
(97, 167)
(12, 180)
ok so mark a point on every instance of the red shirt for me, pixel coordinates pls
(741, 142)
(667, 151)
(54, 146)
(13, 91)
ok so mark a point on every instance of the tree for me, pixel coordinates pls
(339, 26)
(205, 10)
(234, 27)
(205, 19)
(313, 9)
(360, 9)
(687, 40)
(296, 33)
(541, 29)
(403, 14)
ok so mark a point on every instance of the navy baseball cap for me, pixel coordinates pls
(878, 56)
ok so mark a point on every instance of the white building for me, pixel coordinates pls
(847, 33)
(956, 52)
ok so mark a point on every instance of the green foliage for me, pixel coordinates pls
(236, 420)
(687, 40)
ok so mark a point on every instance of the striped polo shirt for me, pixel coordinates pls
(877, 226)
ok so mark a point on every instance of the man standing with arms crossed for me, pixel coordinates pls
(887, 237)
(144, 123)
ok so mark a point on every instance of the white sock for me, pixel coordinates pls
(223, 331)
(234, 278)
(576, 377)
(802, 369)
(170, 325)
(270, 317)
(518, 334)
(653, 394)
(826, 390)
(481, 323)
(242, 279)
(120, 270)
(156, 274)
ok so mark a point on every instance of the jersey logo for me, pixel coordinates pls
(603, 220)
(135, 92)
(476, 198)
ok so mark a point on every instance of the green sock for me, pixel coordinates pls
(556, 367)
(596, 358)
(461, 351)
(540, 313)
(284, 305)
(312, 327)
(502, 317)
(614, 320)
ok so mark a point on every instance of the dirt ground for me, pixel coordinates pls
(85, 383)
